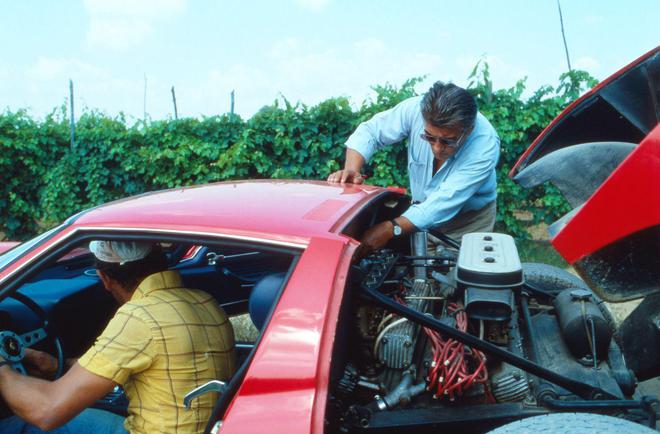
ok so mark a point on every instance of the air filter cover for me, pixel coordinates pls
(489, 260)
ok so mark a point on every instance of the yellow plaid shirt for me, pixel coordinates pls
(162, 343)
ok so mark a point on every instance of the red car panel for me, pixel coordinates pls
(625, 203)
(630, 98)
(311, 208)
(283, 391)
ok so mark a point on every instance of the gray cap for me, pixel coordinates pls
(120, 252)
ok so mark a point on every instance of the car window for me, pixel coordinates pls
(11, 255)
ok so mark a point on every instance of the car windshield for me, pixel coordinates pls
(11, 255)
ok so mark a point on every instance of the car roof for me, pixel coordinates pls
(277, 209)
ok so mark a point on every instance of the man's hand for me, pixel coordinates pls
(352, 169)
(346, 176)
(374, 238)
(40, 364)
(377, 236)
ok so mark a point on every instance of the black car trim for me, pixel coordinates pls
(90, 233)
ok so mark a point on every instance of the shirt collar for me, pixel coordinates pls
(157, 281)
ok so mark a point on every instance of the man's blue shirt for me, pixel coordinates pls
(465, 182)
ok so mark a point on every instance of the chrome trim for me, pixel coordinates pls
(151, 231)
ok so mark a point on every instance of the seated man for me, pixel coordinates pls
(163, 342)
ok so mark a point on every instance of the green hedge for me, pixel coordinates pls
(45, 180)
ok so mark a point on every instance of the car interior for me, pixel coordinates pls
(61, 302)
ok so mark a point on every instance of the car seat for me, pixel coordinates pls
(263, 297)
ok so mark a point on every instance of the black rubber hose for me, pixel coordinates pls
(530, 328)
(538, 291)
(445, 238)
(544, 387)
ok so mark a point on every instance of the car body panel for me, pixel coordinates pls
(295, 210)
(577, 170)
(615, 223)
(638, 177)
(310, 208)
(624, 108)
(284, 388)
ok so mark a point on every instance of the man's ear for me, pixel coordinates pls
(107, 280)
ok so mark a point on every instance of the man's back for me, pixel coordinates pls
(160, 345)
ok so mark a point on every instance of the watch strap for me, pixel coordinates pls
(397, 229)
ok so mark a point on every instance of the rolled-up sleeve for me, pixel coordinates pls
(474, 167)
(385, 128)
(122, 349)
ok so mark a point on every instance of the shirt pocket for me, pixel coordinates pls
(417, 176)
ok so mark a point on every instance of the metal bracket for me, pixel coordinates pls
(216, 427)
(212, 386)
(213, 258)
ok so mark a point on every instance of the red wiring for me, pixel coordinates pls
(455, 367)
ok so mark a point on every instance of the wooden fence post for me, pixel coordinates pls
(176, 113)
(72, 123)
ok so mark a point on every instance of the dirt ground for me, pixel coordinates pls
(621, 310)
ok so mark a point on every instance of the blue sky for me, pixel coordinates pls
(306, 50)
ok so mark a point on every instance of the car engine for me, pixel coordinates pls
(400, 375)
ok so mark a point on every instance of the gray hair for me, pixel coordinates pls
(449, 106)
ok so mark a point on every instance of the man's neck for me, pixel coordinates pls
(437, 164)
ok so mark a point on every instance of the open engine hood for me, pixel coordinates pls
(603, 153)
(622, 108)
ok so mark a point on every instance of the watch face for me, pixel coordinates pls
(397, 230)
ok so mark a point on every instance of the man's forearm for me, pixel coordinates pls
(354, 160)
(49, 404)
(29, 398)
(406, 225)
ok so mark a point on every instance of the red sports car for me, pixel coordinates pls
(466, 338)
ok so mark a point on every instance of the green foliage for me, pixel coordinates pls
(45, 180)
(518, 122)
(27, 149)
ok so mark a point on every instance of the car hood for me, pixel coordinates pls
(603, 153)
(622, 108)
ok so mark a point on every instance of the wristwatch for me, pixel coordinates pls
(397, 229)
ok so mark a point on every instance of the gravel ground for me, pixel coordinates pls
(244, 330)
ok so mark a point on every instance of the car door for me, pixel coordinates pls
(284, 386)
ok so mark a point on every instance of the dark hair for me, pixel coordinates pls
(449, 106)
(131, 274)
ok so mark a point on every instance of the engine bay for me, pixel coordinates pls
(469, 333)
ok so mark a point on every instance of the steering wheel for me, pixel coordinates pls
(12, 345)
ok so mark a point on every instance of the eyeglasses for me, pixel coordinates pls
(448, 143)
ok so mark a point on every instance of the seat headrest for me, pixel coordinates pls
(263, 297)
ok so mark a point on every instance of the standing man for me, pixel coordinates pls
(164, 341)
(452, 154)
